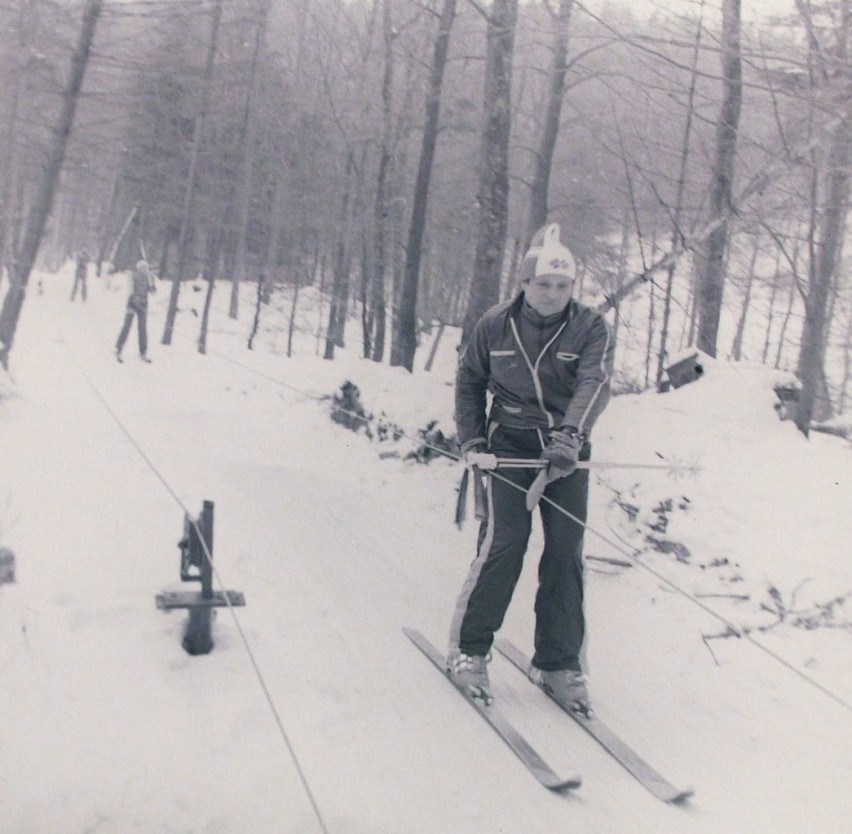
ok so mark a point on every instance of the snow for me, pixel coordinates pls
(313, 709)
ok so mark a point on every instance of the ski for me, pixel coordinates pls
(521, 747)
(618, 749)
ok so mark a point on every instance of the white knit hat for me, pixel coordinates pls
(547, 255)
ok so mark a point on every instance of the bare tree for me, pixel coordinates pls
(376, 318)
(404, 347)
(342, 259)
(737, 346)
(40, 210)
(537, 214)
(493, 194)
(712, 276)
(192, 176)
(828, 246)
(10, 138)
(677, 232)
(247, 162)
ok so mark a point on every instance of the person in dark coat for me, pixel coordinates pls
(80, 270)
(137, 306)
(546, 360)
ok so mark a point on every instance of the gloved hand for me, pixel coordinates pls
(473, 451)
(562, 454)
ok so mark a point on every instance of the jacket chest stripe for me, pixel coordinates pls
(601, 386)
(533, 368)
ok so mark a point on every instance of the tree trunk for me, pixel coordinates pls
(493, 194)
(812, 355)
(828, 249)
(291, 324)
(340, 281)
(677, 234)
(711, 280)
(15, 83)
(40, 209)
(847, 364)
(380, 208)
(770, 316)
(737, 347)
(537, 215)
(211, 268)
(192, 178)
(246, 165)
(784, 325)
(366, 307)
(404, 347)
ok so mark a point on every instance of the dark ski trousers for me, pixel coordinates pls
(79, 281)
(503, 539)
(141, 314)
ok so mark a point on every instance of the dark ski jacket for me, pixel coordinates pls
(140, 287)
(542, 373)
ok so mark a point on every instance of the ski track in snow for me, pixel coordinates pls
(106, 725)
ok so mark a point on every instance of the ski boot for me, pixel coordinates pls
(468, 672)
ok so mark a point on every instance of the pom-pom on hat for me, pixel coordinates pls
(547, 255)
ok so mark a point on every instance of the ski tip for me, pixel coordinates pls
(564, 784)
(681, 796)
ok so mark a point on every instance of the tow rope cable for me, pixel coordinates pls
(243, 638)
(633, 554)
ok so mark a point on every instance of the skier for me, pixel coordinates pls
(80, 275)
(547, 361)
(137, 305)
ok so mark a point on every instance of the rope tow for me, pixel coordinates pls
(633, 554)
(285, 736)
(674, 468)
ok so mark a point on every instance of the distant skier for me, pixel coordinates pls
(80, 271)
(137, 305)
(547, 361)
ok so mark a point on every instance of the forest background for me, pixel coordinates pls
(398, 155)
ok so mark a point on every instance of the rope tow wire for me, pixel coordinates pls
(243, 638)
(632, 554)
(736, 630)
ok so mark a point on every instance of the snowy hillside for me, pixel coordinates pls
(718, 599)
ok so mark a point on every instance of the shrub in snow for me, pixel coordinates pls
(348, 410)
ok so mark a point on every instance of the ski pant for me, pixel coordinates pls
(141, 314)
(502, 543)
(79, 281)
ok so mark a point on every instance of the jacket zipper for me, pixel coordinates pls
(533, 368)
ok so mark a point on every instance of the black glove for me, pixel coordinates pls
(562, 454)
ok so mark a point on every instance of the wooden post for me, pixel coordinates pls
(196, 565)
(198, 637)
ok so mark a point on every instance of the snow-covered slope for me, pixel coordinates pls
(313, 709)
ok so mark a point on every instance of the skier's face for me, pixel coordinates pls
(548, 294)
